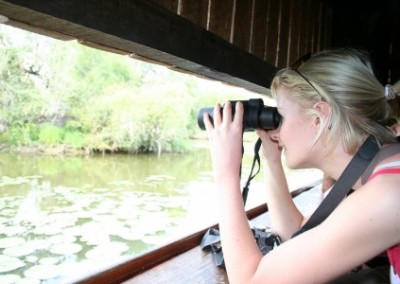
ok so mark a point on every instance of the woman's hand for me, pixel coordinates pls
(226, 139)
(285, 216)
(272, 151)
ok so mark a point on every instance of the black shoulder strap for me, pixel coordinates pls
(343, 185)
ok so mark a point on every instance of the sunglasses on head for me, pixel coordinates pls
(295, 67)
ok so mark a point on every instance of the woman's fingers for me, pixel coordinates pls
(207, 121)
(227, 112)
(262, 134)
(224, 116)
(217, 115)
(238, 119)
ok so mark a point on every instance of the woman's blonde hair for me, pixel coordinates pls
(345, 80)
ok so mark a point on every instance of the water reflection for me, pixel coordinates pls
(63, 216)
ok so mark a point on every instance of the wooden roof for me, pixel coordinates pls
(241, 42)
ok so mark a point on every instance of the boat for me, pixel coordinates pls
(241, 43)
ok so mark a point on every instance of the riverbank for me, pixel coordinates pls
(46, 150)
(196, 141)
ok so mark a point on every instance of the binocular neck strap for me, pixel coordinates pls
(256, 159)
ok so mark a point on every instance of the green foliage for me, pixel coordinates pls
(75, 139)
(96, 71)
(33, 132)
(86, 98)
(74, 125)
(50, 135)
(14, 136)
(15, 84)
(18, 135)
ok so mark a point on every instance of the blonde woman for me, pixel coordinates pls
(329, 104)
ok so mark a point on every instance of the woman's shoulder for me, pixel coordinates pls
(383, 184)
(385, 168)
(387, 157)
(368, 218)
(389, 152)
(379, 200)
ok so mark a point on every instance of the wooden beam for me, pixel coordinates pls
(148, 30)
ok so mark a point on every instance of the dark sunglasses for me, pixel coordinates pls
(295, 67)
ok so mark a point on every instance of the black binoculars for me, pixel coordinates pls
(255, 115)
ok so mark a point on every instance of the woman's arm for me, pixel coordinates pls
(226, 138)
(286, 218)
(364, 224)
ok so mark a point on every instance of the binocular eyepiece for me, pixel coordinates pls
(255, 115)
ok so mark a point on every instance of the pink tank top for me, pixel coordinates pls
(393, 252)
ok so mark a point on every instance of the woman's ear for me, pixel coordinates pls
(323, 110)
(395, 128)
(316, 121)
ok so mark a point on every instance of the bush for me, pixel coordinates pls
(12, 136)
(50, 134)
(75, 139)
(16, 136)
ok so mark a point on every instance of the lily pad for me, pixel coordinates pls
(155, 240)
(65, 248)
(96, 239)
(63, 219)
(21, 250)
(56, 239)
(26, 280)
(132, 235)
(48, 230)
(32, 258)
(11, 242)
(15, 230)
(38, 244)
(13, 181)
(42, 271)
(108, 251)
(7, 212)
(84, 215)
(9, 278)
(49, 260)
(9, 263)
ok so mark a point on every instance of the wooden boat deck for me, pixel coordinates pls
(197, 266)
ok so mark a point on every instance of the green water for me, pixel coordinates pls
(62, 216)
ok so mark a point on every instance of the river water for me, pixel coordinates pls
(66, 217)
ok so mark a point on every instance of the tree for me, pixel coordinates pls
(54, 92)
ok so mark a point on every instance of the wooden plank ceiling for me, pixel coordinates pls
(240, 42)
(276, 31)
(374, 26)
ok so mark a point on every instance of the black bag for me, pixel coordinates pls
(265, 239)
